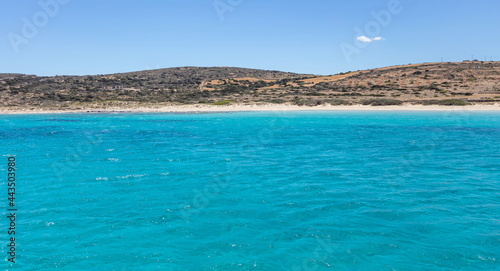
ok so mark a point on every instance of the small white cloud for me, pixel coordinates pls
(366, 39)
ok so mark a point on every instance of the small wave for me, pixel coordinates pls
(132, 176)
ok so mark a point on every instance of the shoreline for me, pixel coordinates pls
(253, 108)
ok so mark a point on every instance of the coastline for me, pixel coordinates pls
(253, 108)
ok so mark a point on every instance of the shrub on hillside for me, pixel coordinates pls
(338, 102)
(381, 102)
(222, 103)
(449, 102)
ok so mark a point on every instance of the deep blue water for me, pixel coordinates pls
(255, 191)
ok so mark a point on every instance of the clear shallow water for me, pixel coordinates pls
(256, 191)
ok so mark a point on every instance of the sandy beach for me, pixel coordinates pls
(256, 107)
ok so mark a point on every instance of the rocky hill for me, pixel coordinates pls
(429, 83)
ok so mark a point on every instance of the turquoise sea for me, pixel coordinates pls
(254, 191)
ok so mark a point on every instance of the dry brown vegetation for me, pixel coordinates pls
(428, 83)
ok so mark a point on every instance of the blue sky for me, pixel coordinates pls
(77, 37)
